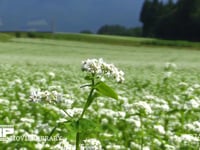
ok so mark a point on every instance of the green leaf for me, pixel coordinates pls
(86, 125)
(105, 90)
(52, 131)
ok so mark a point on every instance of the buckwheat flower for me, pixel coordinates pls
(100, 68)
(194, 126)
(18, 81)
(183, 84)
(135, 120)
(160, 129)
(92, 66)
(175, 139)
(170, 147)
(168, 74)
(52, 74)
(107, 112)
(92, 144)
(46, 95)
(149, 97)
(115, 147)
(196, 86)
(106, 135)
(61, 120)
(4, 101)
(134, 145)
(42, 81)
(189, 91)
(56, 96)
(39, 146)
(104, 121)
(157, 142)
(27, 120)
(188, 138)
(142, 106)
(146, 148)
(192, 104)
(176, 97)
(63, 145)
(161, 107)
(74, 112)
(36, 95)
(169, 65)
(121, 114)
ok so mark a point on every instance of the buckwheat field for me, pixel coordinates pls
(44, 87)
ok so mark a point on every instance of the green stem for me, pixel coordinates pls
(86, 104)
(77, 141)
(142, 138)
(83, 112)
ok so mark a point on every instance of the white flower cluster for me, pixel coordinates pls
(93, 144)
(194, 126)
(143, 106)
(160, 129)
(184, 138)
(89, 144)
(49, 96)
(169, 65)
(101, 68)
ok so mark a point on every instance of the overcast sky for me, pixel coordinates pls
(68, 15)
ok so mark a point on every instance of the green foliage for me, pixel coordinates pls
(112, 30)
(5, 37)
(119, 30)
(17, 34)
(146, 81)
(112, 40)
(86, 32)
(105, 90)
(171, 20)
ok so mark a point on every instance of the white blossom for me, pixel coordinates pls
(160, 129)
(168, 74)
(143, 106)
(188, 138)
(194, 126)
(169, 65)
(101, 68)
(93, 144)
(36, 95)
(52, 74)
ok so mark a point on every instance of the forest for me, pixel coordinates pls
(172, 20)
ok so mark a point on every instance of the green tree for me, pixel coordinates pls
(150, 13)
(112, 30)
(180, 20)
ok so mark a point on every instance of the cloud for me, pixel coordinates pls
(41, 22)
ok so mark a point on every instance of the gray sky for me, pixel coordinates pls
(68, 15)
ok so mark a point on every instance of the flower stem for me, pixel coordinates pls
(82, 114)
(77, 141)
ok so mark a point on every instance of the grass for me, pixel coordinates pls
(108, 39)
(26, 63)
(5, 37)
(38, 51)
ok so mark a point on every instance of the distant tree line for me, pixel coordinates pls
(119, 30)
(179, 20)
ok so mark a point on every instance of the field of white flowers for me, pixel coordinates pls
(158, 108)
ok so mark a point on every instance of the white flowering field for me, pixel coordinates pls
(158, 106)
